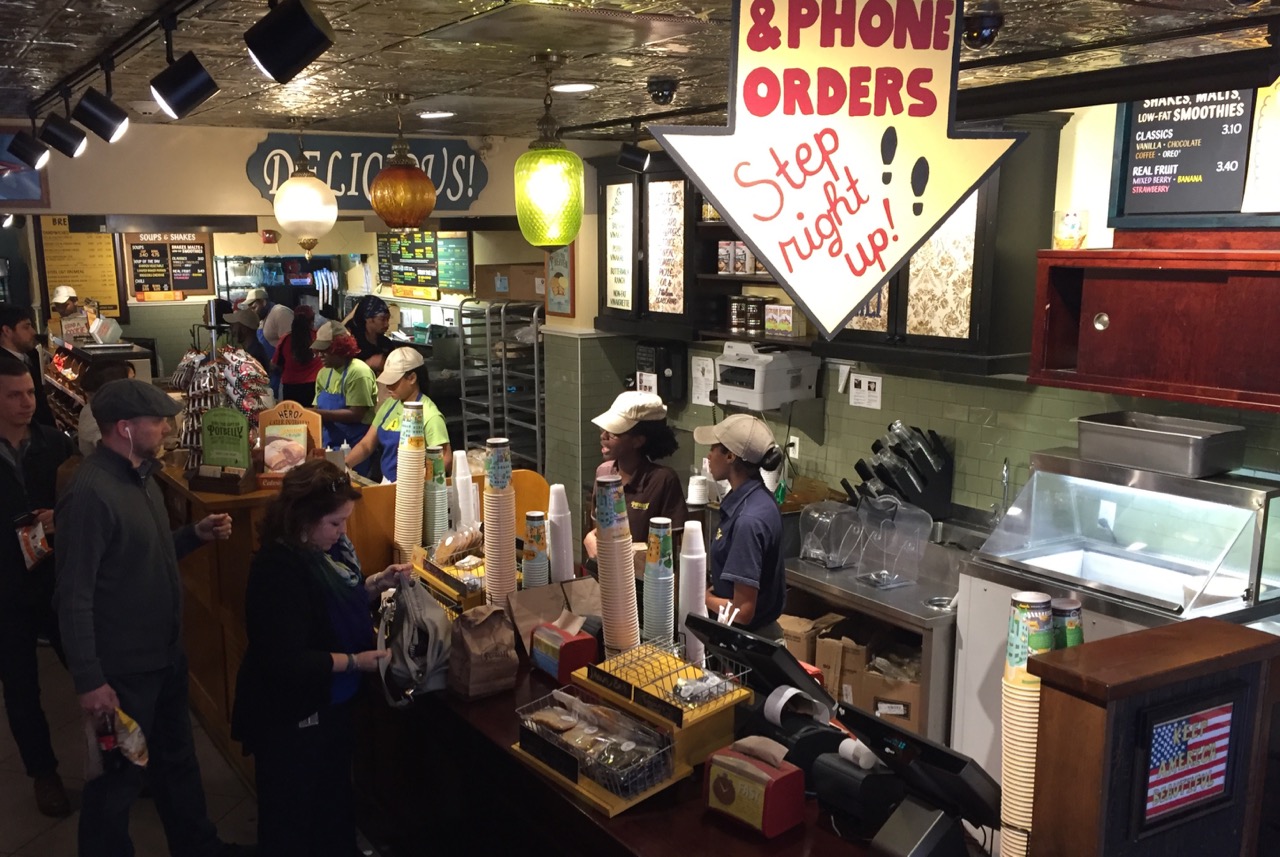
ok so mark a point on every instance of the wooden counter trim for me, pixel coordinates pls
(1123, 666)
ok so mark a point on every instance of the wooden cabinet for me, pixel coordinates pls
(964, 301)
(1186, 325)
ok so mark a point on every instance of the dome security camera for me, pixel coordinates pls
(663, 90)
(980, 30)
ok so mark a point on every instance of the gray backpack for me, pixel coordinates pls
(415, 629)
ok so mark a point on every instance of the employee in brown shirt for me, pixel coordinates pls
(634, 435)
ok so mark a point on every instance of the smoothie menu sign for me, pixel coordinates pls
(1187, 154)
(839, 159)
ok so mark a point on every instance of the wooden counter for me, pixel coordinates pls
(441, 778)
(214, 579)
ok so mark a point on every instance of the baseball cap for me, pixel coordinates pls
(742, 434)
(129, 398)
(255, 295)
(62, 294)
(399, 363)
(630, 408)
(246, 317)
(326, 333)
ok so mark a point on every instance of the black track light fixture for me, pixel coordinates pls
(59, 133)
(99, 113)
(632, 156)
(185, 84)
(26, 148)
(288, 39)
(12, 221)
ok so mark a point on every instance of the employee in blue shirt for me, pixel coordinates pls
(746, 548)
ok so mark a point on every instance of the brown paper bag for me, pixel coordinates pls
(482, 659)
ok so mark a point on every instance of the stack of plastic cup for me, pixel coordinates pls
(693, 587)
(464, 492)
(560, 534)
(536, 565)
(659, 585)
(409, 490)
(499, 524)
(436, 513)
(697, 491)
(1030, 633)
(615, 556)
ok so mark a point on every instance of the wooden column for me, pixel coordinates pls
(1102, 708)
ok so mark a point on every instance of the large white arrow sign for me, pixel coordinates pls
(839, 159)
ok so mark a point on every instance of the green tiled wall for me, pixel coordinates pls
(986, 420)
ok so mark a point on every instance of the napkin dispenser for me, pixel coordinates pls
(559, 653)
(750, 782)
(764, 377)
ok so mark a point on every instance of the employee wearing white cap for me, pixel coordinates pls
(64, 301)
(746, 549)
(634, 435)
(405, 377)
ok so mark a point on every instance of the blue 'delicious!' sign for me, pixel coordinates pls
(349, 164)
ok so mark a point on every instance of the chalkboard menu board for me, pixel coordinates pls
(619, 244)
(1183, 160)
(453, 259)
(86, 260)
(168, 262)
(407, 258)
(666, 246)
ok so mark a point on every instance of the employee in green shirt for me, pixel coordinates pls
(405, 378)
(345, 389)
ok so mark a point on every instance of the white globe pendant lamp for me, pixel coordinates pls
(305, 207)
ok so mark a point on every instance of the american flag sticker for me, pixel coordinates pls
(1188, 760)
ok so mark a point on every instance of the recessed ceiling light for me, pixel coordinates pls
(573, 87)
(436, 114)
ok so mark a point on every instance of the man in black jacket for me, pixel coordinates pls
(18, 342)
(119, 602)
(29, 457)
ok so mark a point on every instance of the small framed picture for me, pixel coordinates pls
(560, 273)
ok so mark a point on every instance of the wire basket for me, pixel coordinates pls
(693, 687)
(622, 755)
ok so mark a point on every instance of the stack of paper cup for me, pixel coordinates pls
(560, 534)
(464, 490)
(536, 565)
(1068, 623)
(659, 584)
(693, 587)
(409, 490)
(435, 515)
(1030, 633)
(617, 576)
(499, 524)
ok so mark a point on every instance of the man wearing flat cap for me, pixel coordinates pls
(119, 603)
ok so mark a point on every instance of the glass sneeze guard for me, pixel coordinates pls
(1188, 547)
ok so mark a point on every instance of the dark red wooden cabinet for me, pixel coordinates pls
(1188, 325)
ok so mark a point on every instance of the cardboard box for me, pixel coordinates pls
(801, 634)
(724, 257)
(740, 257)
(525, 281)
(841, 653)
(784, 320)
(895, 701)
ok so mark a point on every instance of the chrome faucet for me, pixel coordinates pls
(997, 512)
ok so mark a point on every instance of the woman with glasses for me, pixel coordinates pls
(634, 436)
(310, 627)
(745, 551)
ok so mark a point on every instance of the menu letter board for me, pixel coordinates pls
(620, 226)
(407, 258)
(1187, 154)
(168, 265)
(150, 264)
(666, 246)
(86, 261)
(453, 261)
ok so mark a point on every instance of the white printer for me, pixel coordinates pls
(764, 377)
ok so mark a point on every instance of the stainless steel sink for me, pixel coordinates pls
(952, 534)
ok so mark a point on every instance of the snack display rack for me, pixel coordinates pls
(456, 590)
(610, 773)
